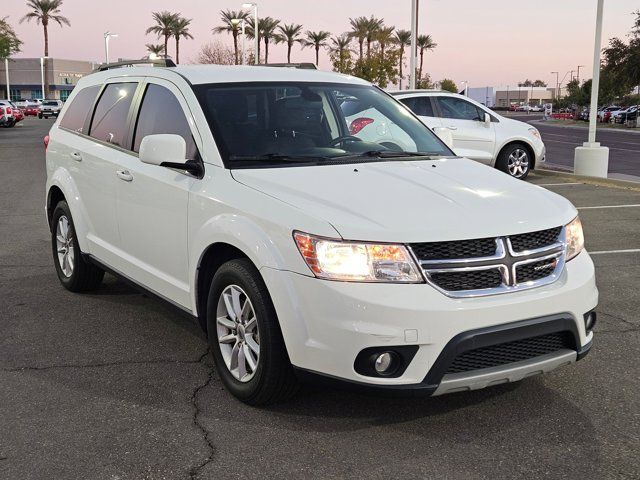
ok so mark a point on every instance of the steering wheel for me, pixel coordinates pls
(337, 141)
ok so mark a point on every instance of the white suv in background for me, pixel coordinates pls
(478, 132)
(246, 197)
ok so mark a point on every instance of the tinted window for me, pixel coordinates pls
(458, 108)
(110, 118)
(419, 105)
(76, 113)
(161, 113)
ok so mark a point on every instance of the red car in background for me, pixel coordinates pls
(31, 110)
(18, 114)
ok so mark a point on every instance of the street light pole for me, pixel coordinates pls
(107, 36)
(243, 37)
(557, 85)
(42, 74)
(578, 74)
(592, 159)
(6, 72)
(414, 44)
(256, 32)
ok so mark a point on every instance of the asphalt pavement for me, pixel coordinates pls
(117, 385)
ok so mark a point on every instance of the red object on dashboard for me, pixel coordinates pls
(358, 124)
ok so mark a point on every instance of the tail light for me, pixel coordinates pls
(358, 124)
(46, 142)
(8, 110)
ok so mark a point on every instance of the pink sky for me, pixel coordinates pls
(491, 42)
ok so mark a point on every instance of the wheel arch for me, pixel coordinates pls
(60, 186)
(525, 143)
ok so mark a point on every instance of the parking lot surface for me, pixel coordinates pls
(117, 385)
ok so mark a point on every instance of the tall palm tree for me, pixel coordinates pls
(373, 27)
(316, 40)
(230, 24)
(402, 39)
(290, 34)
(384, 36)
(267, 32)
(359, 30)
(340, 47)
(156, 49)
(163, 27)
(43, 12)
(425, 42)
(180, 29)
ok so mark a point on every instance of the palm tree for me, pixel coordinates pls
(359, 30)
(316, 40)
(163, 27)
(384, 36)
(373, 27)
(180, 29)
(425, 42)
(340, 47)
(267, 31)
(230, 24)
(402, 39)
(290, 34)
(43, 12)
(155, 49)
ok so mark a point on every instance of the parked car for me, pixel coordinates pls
(304, 249)
(50, 108)
(6, 120)
(478, 133)
(623, 115)
(10, 113)
(29, 107)
(537, 108)
(604, 114)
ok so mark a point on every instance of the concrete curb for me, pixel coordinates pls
(603, 182)
(578, 127)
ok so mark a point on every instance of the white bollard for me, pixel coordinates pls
(591, 160)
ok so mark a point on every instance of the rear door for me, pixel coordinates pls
(472, 137)
(153, 201)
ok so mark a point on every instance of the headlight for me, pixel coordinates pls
(535, 133)
(574, 238)
(357, 262)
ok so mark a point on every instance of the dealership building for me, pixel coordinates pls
(26, 77)
(506, 96)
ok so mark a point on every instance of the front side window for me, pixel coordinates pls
(76, 114)
(457, 108)
(419, 105)
(109, 122)
(284, 123)
(162, 113)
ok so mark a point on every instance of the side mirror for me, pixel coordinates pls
(445, 134)
(487, 119)
(163, 148)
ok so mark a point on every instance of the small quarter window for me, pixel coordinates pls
(76, 114)
(109, 122)
(419, 105)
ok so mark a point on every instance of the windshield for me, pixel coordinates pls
(268, 124)
(51, 103)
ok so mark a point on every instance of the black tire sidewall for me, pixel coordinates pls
(503, 161)
(246, 276)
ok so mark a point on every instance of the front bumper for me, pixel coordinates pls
(326, 324)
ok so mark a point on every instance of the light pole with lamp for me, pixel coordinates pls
(591, 159)
(107, 36)
(256, 32)
(578, 74)
(414, 44)
(242, 22)
(557, 85)
(6, 72)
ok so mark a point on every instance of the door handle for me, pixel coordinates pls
(452, 127)
(124, 175)
(76, 156)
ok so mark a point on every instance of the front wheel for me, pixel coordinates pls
(74, 272)
(245, 337)
(515, 161)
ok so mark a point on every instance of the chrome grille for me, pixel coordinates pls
(489, 266)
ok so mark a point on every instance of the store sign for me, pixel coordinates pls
(74, 75)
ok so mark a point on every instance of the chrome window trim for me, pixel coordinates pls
(507, 268)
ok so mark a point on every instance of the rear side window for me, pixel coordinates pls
(161, 113)
(460, 109)
(77, 112)
(419, 105)
(109, 122)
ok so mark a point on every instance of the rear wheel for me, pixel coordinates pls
(245, 337)
(515, 160)
(74, 272)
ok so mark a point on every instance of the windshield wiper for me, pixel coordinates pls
(276, 157)
(389, 154)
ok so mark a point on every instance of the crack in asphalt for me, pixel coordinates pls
(195, 470)
(619, 318)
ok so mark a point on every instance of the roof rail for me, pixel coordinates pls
(158, 62)
(304, 65)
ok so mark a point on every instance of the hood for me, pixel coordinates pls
(413, 201)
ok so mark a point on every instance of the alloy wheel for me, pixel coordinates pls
(518, 163)
(237, 329)
(64, 246)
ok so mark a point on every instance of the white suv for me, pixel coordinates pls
(243, 196)
(478, 133)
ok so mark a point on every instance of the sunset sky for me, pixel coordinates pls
(493, 42)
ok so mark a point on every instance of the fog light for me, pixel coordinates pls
(589, 321)
(385, 363)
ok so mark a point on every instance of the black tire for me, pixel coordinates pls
(84, 276)
(273, 379)
(39, 115)
(510, 156)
